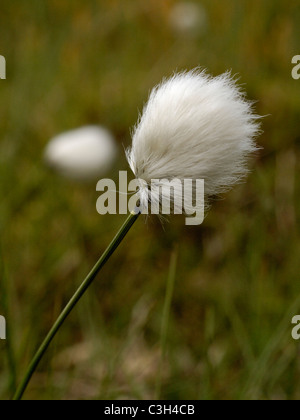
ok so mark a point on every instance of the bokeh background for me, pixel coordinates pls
(72, 63)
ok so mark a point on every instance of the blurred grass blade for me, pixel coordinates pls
(263, 364)
(74, 300)
(166, 317)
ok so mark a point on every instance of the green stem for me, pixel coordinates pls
(74, 300)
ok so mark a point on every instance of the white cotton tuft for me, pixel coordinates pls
(194, 126)
(82, 154)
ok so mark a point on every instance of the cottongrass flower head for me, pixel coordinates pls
(194, 126)
(82, 154)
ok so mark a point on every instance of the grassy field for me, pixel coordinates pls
(71, 63)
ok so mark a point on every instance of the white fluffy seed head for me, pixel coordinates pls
(194, 126)
(82, 154)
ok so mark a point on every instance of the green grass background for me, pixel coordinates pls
(71, 63)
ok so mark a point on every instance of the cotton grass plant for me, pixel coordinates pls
(82, 154)
(193, 126)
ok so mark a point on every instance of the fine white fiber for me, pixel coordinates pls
(194, 126)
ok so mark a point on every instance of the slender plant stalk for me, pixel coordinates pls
(74, 300)
(166, 317)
